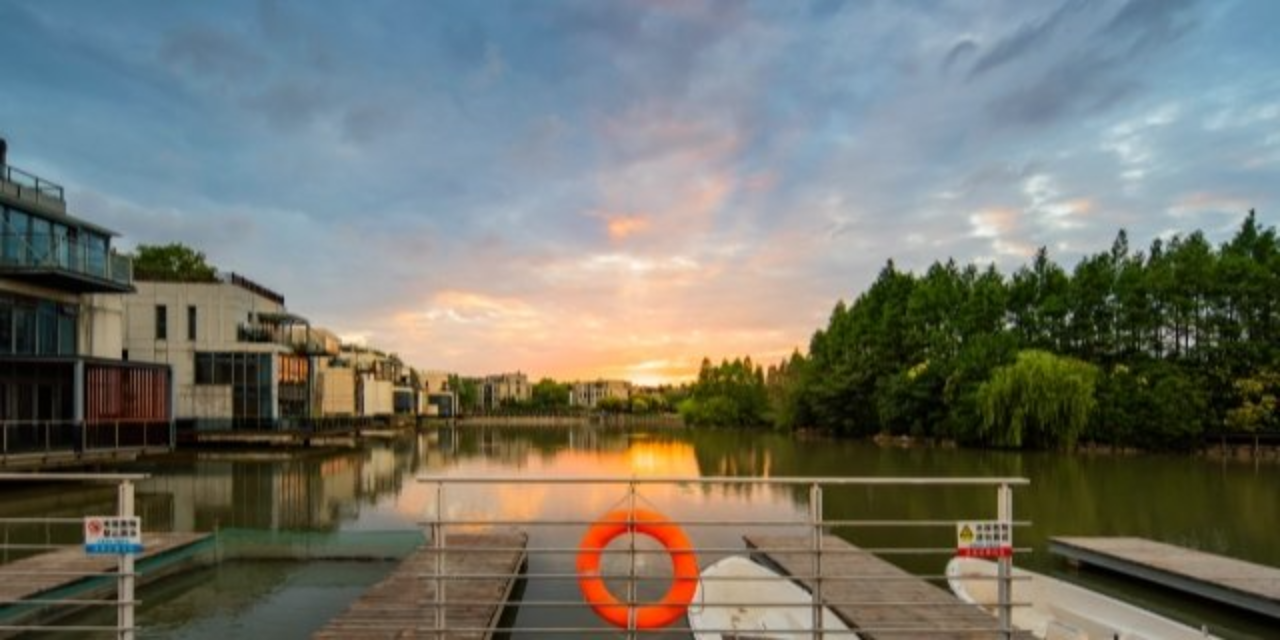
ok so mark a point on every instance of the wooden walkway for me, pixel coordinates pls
(1234, 582)
(40, 574)
(881, 600)
(403, 605)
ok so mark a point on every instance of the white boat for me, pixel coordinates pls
(1057, 610)
(738, 598)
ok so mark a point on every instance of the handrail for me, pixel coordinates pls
(784, 480)
(55, 251)
(24, 180)
(823, 566)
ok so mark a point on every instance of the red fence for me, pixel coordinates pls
(126, 393)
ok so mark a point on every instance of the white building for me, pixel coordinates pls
(229, 343)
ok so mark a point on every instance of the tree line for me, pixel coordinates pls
(1150, 349)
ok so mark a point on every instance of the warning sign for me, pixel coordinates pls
(984, 539)
(112, 535)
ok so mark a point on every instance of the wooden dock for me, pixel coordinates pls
(39, 574)
(1230, 581)
(404, 605)
(71, 574)
(882, 600)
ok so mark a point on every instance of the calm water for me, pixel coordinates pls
(274, 505)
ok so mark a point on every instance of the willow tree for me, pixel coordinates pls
(1041, 400)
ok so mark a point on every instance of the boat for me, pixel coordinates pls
(740, 598)
(1056, 610)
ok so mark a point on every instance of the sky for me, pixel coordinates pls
(616, 189)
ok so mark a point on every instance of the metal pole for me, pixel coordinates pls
(1004, 507)
(437, 542)
(124, 615)
(815, 522)
(631, 574)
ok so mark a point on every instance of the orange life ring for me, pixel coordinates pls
(684, 565)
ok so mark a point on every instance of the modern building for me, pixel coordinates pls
(442, 400)
(589, 394)
(503, 389)
(66, 392)
(233, 348)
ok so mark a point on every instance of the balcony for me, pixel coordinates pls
(61, 261)
(27, 188)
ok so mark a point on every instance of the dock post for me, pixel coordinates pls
(815, 521)
(1004, 508)
(124, 598)
(631, 574)
(437, 542)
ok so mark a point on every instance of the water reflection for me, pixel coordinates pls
(1218, 506)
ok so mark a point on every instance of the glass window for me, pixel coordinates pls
(204, 368)
(6, 326)
(46, 328)
(191, 323)
(67, 332)
(222, 368)
(15, 236)
(41, 237)
(24, 331)
(95, 254)
(162, 322)
(61, 246)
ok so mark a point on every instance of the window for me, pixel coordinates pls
(191, 323)
(162, 322)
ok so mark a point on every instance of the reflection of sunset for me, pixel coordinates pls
(665, 459)
(529, 501)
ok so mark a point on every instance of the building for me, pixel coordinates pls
(441, 399)
(504, 389)
(589, 394)
(233, 348)
(66, 392)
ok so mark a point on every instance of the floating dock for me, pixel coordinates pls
(877, 599)
(1230, 581)
(71, 574)
(404, 604)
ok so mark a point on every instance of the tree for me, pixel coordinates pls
(1041, 400)
(547, 394)
(174, 262)
(467, 390)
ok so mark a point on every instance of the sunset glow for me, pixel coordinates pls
(591, 190)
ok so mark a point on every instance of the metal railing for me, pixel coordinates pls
(28, 182)
(805, 531)
(38, 559)
(82, 255)
(47, 437)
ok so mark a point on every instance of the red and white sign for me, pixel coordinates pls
(984, 539)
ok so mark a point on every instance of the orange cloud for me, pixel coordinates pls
(621, 226)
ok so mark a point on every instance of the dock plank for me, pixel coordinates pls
(402, 606)
(1231, 581)
(875, 604)
(29, 577)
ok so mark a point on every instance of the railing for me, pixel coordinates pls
(33, 539)
(459, 504)
(47, 437)
(81, 255)
(38, 186)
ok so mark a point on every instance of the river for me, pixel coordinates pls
(311, 503)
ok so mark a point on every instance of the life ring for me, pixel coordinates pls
(684, 564)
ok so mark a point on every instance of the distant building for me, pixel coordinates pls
(504, 388)
(442, 400)
(231, 343)
(65, 389)
(589, 394)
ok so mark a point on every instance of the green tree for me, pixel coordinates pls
(174, 262)
(467, 389)
(1040, 401)
(548, 395)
